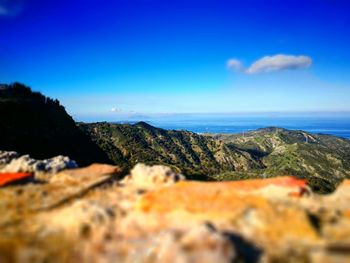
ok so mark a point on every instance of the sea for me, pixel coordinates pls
(331, 124)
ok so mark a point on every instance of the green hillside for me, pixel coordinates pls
(323, 158)
(193, 154)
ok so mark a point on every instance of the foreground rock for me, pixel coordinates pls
(154, 215)
(12, 162)
(150, 177)
(6, 157)
(19, 203)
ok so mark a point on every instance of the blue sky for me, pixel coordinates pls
(108, 58)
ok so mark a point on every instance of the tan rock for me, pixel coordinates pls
(78, 219)
(93, 171)
(71, 219)
(21, 201)
(149, 177)
(199, 244)
(253, 215)
(343, 190)
(196, 244)
(27, 164)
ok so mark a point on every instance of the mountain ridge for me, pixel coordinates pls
(266, 152)
(34, 124)
(190, 152)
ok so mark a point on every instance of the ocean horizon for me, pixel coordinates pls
(330, 125)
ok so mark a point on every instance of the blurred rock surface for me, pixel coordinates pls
(91, 214)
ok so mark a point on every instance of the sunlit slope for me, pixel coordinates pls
(294, 153)
(191, 153)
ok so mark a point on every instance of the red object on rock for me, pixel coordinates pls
(7, 178)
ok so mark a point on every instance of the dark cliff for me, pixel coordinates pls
(31, 123)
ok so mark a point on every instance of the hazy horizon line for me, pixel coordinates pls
(134, 117)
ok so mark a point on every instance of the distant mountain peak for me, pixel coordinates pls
(272, 129)
(144, 124)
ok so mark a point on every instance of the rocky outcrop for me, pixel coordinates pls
(27, 164)
(149, 177)
(22, 202)
(92, 214)
(23, 169)
(6, 157)
(92, 171)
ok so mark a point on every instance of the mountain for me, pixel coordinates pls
(193, 154)
(324, 159)
(31, 123)
(37, 125)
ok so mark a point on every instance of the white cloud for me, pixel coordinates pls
(279, 62)
(114, 109)
(234, 64)
(271, 63)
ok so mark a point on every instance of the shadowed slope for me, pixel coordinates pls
(31, 123)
